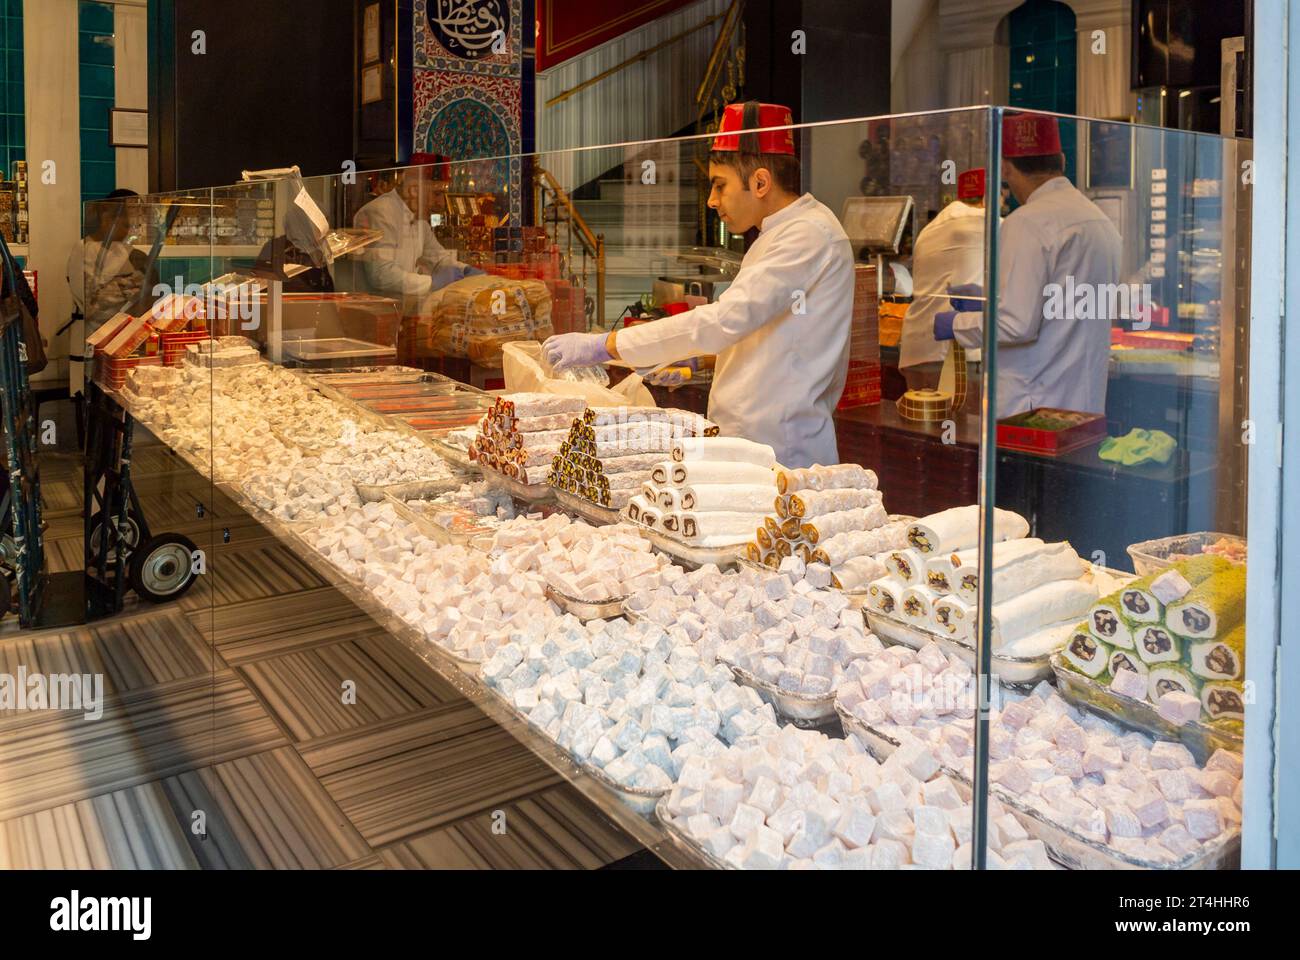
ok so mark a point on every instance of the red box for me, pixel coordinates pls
(1090, 428)
(862, 388)
(112, 371)
(175, 344)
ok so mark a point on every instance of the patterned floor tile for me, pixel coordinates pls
(554, 829)
(131, 829)
(271, 626)
(396, 780)
(304, 690)
(264, 811)
(48, 759)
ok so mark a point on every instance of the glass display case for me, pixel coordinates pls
(1053, 664)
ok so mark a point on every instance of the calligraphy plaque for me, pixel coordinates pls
(469, 29)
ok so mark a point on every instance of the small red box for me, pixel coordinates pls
(862, 388)
(1082, 430)
(112, 371)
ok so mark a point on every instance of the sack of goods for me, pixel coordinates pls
(609, 453)
(1176, 639)
(521, 434)
(477, 316)
(709, 492)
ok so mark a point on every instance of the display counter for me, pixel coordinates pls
(748, 609)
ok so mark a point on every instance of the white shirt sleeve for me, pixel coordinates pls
(383, 271)
(1022, 277)
(765, 289)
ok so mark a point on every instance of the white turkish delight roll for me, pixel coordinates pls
(733, 449)
(817, 477)
(885, 595)
(744, 498)
(719, 523)
(954, 617)
(958, 529)
(814, 503)
(1019, 565)
(918, 601)
(906, 566)
(1040, 607)
(842, 521)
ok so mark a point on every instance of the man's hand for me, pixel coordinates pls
(567, 350)
(943, 325)
(967, 298)
(675, 375)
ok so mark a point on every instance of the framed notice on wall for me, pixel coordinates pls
(370, 34)
(372, 83)
(128, 128)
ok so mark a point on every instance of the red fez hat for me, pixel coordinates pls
(753, 115)
(970, 185)
(440, 165)
(1030, 135)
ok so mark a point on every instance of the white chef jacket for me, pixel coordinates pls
(949, 251)
(1057, 233)
(408, 243)
(779, 373)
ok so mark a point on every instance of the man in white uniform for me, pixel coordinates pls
(408, 262)
(105, 272)
(781, 330)
(949, 252)
(1057, 233)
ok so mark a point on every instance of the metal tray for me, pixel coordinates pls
(1202, 739)
(1015, 672)
(586, 610)
(684, 840)
(434, 530)
(1064, 846)
(593, 513)
(527, 492)
(857, 599)
(798, 709)
(454, 456)
(1152, 556)
(685, 554)
(410, 490)
(334, 348)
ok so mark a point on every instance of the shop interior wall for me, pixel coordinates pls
(274, 88)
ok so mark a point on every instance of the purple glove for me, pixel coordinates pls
(673, 376)
(469, 271)
(943, 324)
(963, 298)
(567, 350)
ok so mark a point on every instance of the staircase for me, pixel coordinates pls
(641, 223)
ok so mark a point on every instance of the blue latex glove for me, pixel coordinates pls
(943, 324)
(967, 298)
(471, 272)
(673, 376)
(567, 350)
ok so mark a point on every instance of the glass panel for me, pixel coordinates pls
(1121, 436)
(357, 330)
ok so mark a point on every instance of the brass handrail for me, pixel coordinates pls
(718, 55)
(592, 244)
(635, 58)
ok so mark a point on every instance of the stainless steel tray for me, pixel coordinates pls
(1022, 672)
(410, 490)
(434, 530)
(586, 610)
(527, 492)
(1151, 556)
(798, 709)
(684, 840)
(685, 554)
(453, 455)
(593, 513)
(1202, 739)
(1063, 845)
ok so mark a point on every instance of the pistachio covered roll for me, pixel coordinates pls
(1085, 653)
(1222, 659)
(1156, 643)
(1167, 678)
(1139, 603)
(885, 595)
(1213, 608)
(1110, 624)
(1126, 660)
(1223, 700)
